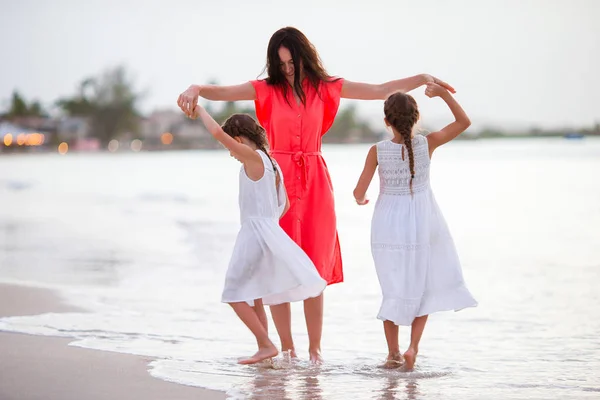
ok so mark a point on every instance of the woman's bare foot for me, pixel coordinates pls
(262, 354)
(315, 357)
(393, 361)
(410, 356)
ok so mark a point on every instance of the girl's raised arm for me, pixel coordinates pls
(451, 131)
(243, 153)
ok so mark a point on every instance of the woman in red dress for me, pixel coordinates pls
(297, 104)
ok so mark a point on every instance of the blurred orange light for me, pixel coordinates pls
(8, 139)
(63, 148)
(34, 139)
(166, 138)
(21, 138)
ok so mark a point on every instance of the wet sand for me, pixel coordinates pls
(47, 368)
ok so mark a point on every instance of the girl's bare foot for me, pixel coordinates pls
(409, 358)
(315, 357)
(393, 361)
(262, 354)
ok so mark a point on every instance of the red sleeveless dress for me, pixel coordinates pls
(294, 132)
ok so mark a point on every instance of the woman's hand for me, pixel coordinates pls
(188, 100)
(432, 79)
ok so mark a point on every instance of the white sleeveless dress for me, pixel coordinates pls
(416, 261)
(266, 263)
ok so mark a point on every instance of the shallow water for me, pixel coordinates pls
(142, 241)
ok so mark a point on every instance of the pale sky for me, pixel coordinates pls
(513, 62)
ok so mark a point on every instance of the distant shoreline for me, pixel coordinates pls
(49, 150)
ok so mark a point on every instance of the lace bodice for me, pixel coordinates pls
(394, 172)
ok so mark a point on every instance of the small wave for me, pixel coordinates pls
(292, 377)
(419, 372)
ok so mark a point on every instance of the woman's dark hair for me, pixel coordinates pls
(402, 113)
(305, 58)
(244, 125)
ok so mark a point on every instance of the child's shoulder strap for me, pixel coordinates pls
(421, 139)
(385, 144)
(381, 144)
(264, 159)
(268, 162)
(381, 147)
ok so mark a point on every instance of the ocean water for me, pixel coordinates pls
(142, 241)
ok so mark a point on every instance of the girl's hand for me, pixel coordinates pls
(188, 100)
(196, 112)
(362, 202)
(435, 90)
(432, 79)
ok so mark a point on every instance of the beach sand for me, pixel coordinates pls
(46, 368)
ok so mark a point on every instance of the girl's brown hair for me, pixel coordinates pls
(244, 125)
(402, 113)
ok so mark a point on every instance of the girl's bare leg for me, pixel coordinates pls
(259, 309)
(266, 348)
(282, 318)
(417, 328)
(394, 358)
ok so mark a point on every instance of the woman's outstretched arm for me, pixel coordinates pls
(368, 91)
(188, 100)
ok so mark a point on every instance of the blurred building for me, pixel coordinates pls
(168, 129)
(22, 138)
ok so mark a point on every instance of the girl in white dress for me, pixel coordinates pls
(417, 264)
(266, 267)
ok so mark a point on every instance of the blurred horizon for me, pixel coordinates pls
(515, 65)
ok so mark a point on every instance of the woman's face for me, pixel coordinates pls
(286, 64)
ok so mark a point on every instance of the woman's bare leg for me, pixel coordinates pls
(313, 313)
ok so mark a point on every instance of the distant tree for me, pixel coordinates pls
(109, 101)
(348, 127)
(231, 107)
(19, 108)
